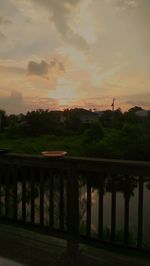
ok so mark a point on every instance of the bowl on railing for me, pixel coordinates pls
(54, 154)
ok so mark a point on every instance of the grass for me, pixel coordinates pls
(71, 144)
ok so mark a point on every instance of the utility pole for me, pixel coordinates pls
(113, 105)
(113, 109)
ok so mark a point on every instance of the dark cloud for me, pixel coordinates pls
(43, 68)
(38, 69)
(61, 14)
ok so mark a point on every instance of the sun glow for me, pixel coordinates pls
(65, 92)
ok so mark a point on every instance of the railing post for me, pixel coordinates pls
(72, 209)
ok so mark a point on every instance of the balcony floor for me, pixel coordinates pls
(33, 249)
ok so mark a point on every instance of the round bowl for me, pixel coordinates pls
(53, 153)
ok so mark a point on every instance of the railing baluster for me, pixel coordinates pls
(88, 221)
(61, 201)
(126, 211)
(20, 171)
(42, 197)
(0, 190)
(32, 178)
(100, 210)
(72, 208)
(14, 171)
(113, 208)
(140, 213)
(6, 180)
(23, 175)
(51, 200)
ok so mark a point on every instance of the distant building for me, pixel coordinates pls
(85, 116)
(89, 117)
(99, 113)
(142, 113)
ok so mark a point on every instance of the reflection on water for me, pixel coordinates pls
(125, 187)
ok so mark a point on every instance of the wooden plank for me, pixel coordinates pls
(140, 213)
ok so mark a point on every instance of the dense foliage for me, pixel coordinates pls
(80, 132)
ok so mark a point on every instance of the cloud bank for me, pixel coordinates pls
(62, 13)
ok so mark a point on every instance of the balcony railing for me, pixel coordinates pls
(79, 199)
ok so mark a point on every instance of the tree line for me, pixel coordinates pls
(107, 134)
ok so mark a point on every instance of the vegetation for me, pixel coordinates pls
(80, 132)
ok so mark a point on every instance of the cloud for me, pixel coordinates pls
(38, 69)
(13, 103)
(4, 21)
(2, 37)
(43, 69)
(141, 103)
(125, 4)
(12, 69)
(62, 12)
(33, 103)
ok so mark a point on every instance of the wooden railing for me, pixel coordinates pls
(56, 197)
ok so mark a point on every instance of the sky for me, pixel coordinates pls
(57, 54)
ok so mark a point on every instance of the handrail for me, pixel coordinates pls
(34, 177)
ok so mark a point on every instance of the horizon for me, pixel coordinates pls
(74, 53)
(93, 110)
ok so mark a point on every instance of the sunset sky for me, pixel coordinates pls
(57, 54)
